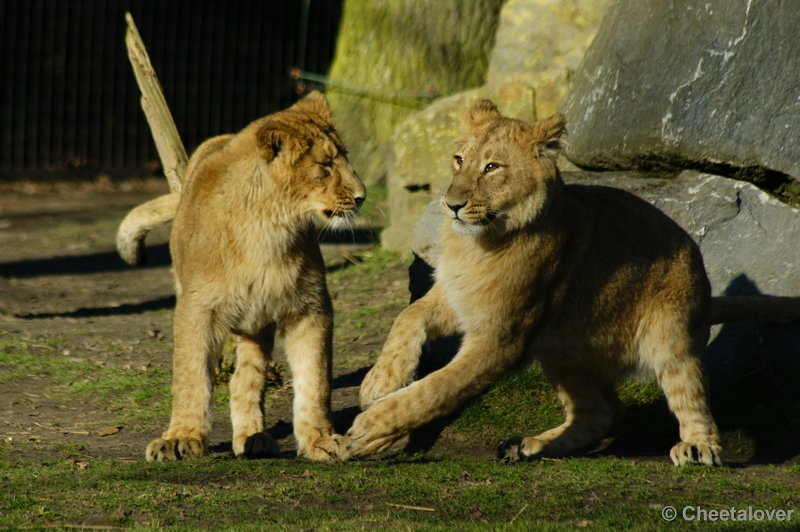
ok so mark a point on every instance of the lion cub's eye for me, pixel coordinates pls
(327, 163)
(491, 167)
(458, 159)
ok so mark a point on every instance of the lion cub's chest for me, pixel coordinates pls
(280, 287)
(476, 282)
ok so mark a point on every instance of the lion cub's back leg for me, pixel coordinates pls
(673, 350)
(591, 407)
(198, 342)
(247, 389)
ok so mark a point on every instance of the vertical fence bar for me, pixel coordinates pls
(68, 98)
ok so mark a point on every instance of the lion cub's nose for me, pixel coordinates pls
(455, 207)
(359, 200)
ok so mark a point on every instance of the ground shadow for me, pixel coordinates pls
(753, 371)
(96, 312)
(157, 255)
(108, 261)
(351, 379)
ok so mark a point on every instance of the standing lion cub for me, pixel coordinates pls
(592, 282)
(246, 259)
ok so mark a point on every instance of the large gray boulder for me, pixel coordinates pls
(541, 42)
(749, 242)
(690, 84)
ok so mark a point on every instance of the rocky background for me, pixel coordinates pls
(538, 46)
(692, 105)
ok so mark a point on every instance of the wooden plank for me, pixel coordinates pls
(162, 126)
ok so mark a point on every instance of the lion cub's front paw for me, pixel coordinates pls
(325, 449)
(162, 449)
(258, 445)
(372, 432)
(378, 383)
(696, 453)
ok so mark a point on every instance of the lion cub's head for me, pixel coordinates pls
(502, 170)
(304, 155)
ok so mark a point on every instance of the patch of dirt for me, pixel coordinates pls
(65, 292)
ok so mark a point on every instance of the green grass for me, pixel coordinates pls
(133, 396)
(534, 407)
(615, 487)
(387, 494)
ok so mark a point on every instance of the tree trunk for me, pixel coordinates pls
(393, 57)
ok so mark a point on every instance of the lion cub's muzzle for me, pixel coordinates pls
(346, 208)
(468, 211)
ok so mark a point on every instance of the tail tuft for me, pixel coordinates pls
(140, 221)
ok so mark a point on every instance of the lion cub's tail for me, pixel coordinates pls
(739, 309)
(139, 222)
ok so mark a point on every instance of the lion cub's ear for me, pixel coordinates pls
(547, 135)
(275, 137)
(479, 114)
(316, 103)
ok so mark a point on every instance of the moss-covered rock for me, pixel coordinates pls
(392, 56)
(541, 42)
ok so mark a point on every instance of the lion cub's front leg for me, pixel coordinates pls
(396, 367)
(198, 340)
(439, 393)
(308, 341)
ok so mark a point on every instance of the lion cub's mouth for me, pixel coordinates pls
(486, 220)
(339, 214)
(473, 228)
(339, 219)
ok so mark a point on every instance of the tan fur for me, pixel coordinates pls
(593, 282)
(246, 259)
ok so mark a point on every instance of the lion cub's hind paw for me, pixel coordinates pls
(695, 453)
(161, 449)
(260, 445)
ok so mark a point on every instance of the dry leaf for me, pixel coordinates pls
(108, 431)
(76, 462)
(121, 512)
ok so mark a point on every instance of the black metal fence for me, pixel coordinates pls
(68, 98)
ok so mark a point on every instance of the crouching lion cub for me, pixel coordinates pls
(246, 259)
(593, 282)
